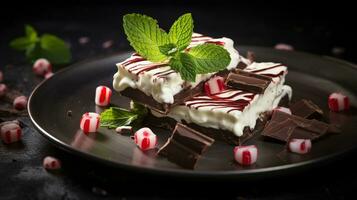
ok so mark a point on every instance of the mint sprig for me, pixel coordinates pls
(47, 46)
(154, 44)
(114, 116)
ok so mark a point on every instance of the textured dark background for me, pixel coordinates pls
(313, 28)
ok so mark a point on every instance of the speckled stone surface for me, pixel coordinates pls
(21, 173)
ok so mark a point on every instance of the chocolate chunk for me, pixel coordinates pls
(185, 146)
(251, 56)
(284, 127)
(247, 81)
(306, 109)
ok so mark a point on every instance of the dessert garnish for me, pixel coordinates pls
(246, 155)
(46, 46)
(89, 122)
(51, 163)
(338, 102)
(248, 81)
(300, 146)
(214, 85)
(10, 131)
(185, 146)
(103, 95)
(145, 139)
(306, 109)
(124, 130)
(41, 67)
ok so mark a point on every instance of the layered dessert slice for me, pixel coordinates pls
(159, 86)
(233, 113)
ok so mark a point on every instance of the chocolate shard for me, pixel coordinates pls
(185, 146)
(306, 109)
(284, 127)
(247, 81)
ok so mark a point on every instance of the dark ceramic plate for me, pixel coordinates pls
(73, 89)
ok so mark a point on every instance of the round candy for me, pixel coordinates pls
(20, 102)
(145, 139)
(41, 67)
(283, 109)
(3, 89)
(89, 122)
(338, 102)
(300, 146)
(214, 85)
(102, 95)
(51, 163)
(246, 155)
(11, 132)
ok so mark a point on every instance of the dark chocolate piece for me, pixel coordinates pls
(306, 109)
(247, 82)
(185, 146)
(222, 135)
(251, 56)
(284, 127)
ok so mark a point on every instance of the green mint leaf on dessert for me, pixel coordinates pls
(145, 36)
(209, 58)
(185, 65)
(181, 31)
(114, 117)
(47, 46)
(168, 49)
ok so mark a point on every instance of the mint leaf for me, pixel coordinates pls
(181, 31)
(47, 46)
(145, 36)
(138, 108)
(31, 33)
(168, 49)
(209, 58)
(54, 49)
(185, 65)
(114, 117)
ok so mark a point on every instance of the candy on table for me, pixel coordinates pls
(283, 109)
(338, 102)
(89, 122)
(246, 155)
(214, 85)
(3, 89)
(51, 163)
(145, 139)
(42, 66)
(10, 132)
(124, 129)
(20, 102)
(107, 44)
(102, 95)
(300, 146)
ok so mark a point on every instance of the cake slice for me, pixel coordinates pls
(160, 87)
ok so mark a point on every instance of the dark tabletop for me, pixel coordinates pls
(21, 173)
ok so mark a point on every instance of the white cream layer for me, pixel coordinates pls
(162, 83)
(213, 113)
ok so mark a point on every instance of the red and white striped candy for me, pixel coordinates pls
(49, 75)
(214, 85)
(41, 67)
(3, 89)
(1, 76)
(300, 146)
(89, 122)
(338, 102)
(246, 155)
(102, 95)
(51, 163)
(283, 109)
(145, 139)
(11, 132)
(20, 102)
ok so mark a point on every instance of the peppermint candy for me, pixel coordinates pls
(145, 139)
(300, 146)
(20, 102)
(214, 85)
(10, 132)
(51, 163)
(246, 155)
(102, 95)
(338, 102)
(41, 67)
(89, 122)
(3, 89)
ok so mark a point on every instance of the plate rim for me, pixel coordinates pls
(184, 172)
